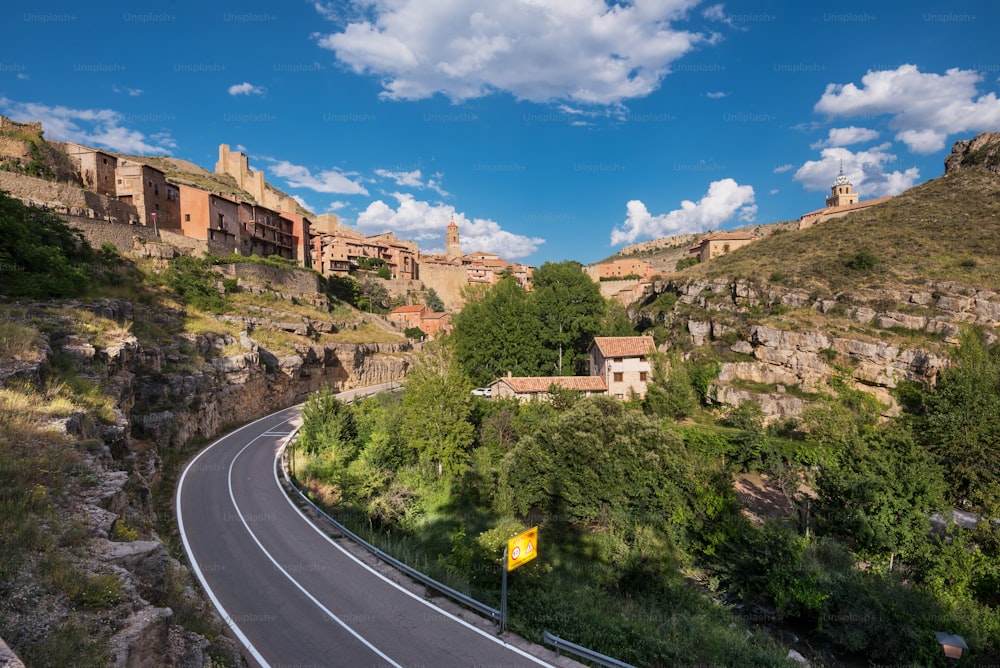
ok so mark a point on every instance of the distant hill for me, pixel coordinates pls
(947, 229)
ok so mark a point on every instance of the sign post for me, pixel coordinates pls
(519, 550)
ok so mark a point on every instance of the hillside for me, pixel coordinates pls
(880, 295)
(111, 369)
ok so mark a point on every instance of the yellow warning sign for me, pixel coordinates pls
(522, 548)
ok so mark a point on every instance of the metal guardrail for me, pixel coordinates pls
(441, 588)
(582, 652)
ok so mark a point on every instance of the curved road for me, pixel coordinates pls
(292, 595)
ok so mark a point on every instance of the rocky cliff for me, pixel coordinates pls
(876, 338)
(162, 397)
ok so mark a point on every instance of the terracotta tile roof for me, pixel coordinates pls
(435, 315)
(417, 308)
(624, 346)
(538, 384)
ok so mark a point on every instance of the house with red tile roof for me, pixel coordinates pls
(408, 316)
(623, 362)
(527, 388)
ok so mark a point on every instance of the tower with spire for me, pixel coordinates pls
(453, 250)
(842, 192)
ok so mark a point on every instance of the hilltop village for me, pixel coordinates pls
(119, 200)
(128, 200)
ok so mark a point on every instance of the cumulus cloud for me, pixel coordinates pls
(91, 127)
(413, 179)
(246, 88)
(867, 170)
(924, 107)
(587, 51)
(724, 200)
(428, 223)
(846, 137)
(328, 181)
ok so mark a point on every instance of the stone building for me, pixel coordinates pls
(337, 249)
(210, 217)
(623, 362)
(237, 165)
(145, 187)
(843, 199)
(619, 269)
(96, 168)
(719, 243)
(453, 248)
(266, 232)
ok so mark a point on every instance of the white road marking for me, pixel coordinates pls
(374, 572)
(288, 575)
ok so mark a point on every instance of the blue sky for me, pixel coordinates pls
(549, 130)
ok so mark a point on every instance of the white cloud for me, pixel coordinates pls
(581, 50)
(865, 169)
(336, 206)
(925, 107)
(846, 137)
(413, 179)
(783, 168)
(724, 200)
(328, 181)
(132, 92)
(717, 95)
(302, 202)
(427, 223)
(246, 88)
(774, 191)
(91, 127)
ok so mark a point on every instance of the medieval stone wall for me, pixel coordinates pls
(64, 198)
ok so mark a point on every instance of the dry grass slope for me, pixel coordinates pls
(947, 229)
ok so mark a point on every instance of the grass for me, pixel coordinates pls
(947, 229)
(19, 342)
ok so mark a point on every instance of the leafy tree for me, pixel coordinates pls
(40, 255)
(434, 301)
(752, 442)
(962, 422)
(344, 288)
(327, 426)
(497, 333)
(373, 295)
(596, 463)
(616, 321)
(414, 333)
(196, 282)
(570, 308)
(879, 494)
(670, 394)
(379, 421)
(437, 405)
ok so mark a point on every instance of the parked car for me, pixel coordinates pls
(482, 392)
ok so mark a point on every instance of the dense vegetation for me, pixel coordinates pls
(645, 544)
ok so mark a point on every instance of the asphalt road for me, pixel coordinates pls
(292, 595)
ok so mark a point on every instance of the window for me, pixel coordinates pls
(619, 376)
(187, 217)
(642, 376)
